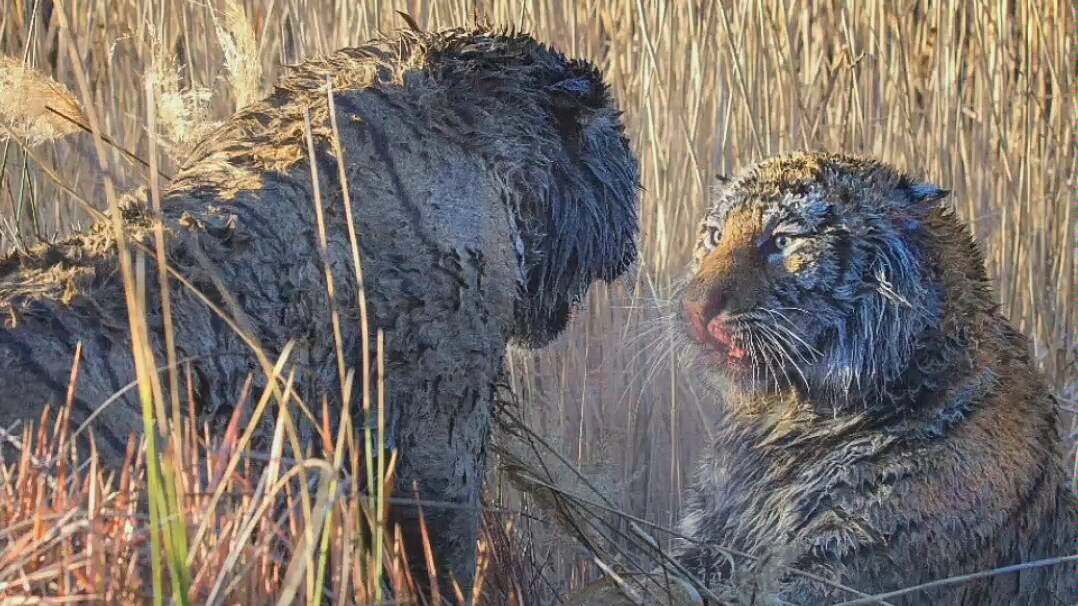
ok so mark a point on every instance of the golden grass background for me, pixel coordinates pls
(974, 96)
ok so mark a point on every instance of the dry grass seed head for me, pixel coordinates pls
(30, 102)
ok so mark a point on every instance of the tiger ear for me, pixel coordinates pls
(925, 193)
(916, 194)
(718, 188)
(574, 99)
(573, 90)
(919, 199)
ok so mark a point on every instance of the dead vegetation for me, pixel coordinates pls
(73, 532)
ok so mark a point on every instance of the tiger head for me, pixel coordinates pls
(812, 271)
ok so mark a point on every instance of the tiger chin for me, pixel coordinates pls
(881, 424)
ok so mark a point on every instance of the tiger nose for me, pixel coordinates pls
(701, 310)
(694, 314)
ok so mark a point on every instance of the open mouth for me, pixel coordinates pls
(721, 345)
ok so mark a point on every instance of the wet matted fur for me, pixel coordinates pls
(881, 424)
(492, 184)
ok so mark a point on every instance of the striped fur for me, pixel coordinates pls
(882, 424)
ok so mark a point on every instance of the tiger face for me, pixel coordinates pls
(811, 271)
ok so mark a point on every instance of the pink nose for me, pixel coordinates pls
(710, 329)
(698, 321)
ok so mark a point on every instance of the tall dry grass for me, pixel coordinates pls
(975, 96)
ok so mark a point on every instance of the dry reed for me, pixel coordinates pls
(33, 106)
